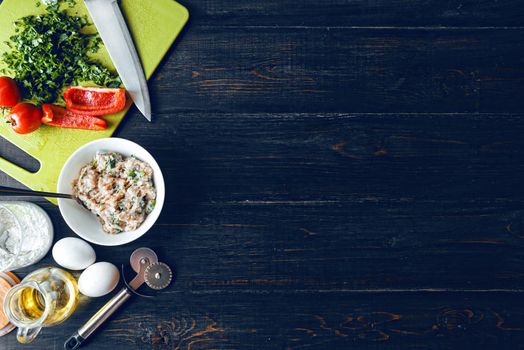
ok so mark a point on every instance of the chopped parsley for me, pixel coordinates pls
(111, 163)
(133, 174)
(49, 52)
(150, 206)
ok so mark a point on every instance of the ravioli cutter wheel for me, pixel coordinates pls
(154, 274)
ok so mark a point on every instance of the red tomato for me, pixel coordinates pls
(58, 116)
(9, 93)
(94, 101)
(25, 118)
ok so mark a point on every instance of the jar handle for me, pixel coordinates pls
(27, 335)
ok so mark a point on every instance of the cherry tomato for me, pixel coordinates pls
(25, 118)
(9, 93)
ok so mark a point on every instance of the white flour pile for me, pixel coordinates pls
(26, 239)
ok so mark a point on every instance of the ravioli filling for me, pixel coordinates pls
(118, 189)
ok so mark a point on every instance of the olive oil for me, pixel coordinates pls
(32, 303)
(44, 298)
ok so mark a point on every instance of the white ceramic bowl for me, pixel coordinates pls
(82, 221)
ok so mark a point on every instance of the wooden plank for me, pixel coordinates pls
(182, 319)
(343, 70)
(340, 321)
(356, 13)
(333, 13)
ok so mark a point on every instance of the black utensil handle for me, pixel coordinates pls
(74, 342)
(10, 191)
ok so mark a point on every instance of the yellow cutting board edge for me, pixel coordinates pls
(154, 26)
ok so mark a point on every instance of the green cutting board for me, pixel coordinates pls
(154, 25)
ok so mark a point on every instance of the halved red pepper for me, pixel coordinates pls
(58, 116)
(94, 100)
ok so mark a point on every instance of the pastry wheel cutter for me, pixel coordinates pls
(150, 271)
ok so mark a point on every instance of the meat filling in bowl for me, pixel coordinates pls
(118, 189)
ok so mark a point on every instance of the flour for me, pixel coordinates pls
(9, 238)
(26, 234)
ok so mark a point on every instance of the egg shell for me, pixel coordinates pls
(73, 253)
(98, 279)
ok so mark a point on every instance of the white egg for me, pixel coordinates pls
(73, 253)
(98, 279)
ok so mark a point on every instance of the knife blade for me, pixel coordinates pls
(112, 28)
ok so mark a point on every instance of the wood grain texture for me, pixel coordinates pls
(363, 321)
(420, 198)
(343, 70)
(328, 231)
(398, 230)
(340, 175)
(470, 13)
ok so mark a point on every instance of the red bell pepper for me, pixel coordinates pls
(61, 117)
(94, 101)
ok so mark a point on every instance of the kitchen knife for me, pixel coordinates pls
(112, 28)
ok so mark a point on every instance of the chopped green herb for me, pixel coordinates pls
(111, 162)
(49, 52)
(136, 175)
(150, 206)
(139, 204)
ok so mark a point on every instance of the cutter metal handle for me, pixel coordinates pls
(76, 340)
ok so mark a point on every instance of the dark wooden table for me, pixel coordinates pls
(341, 174)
